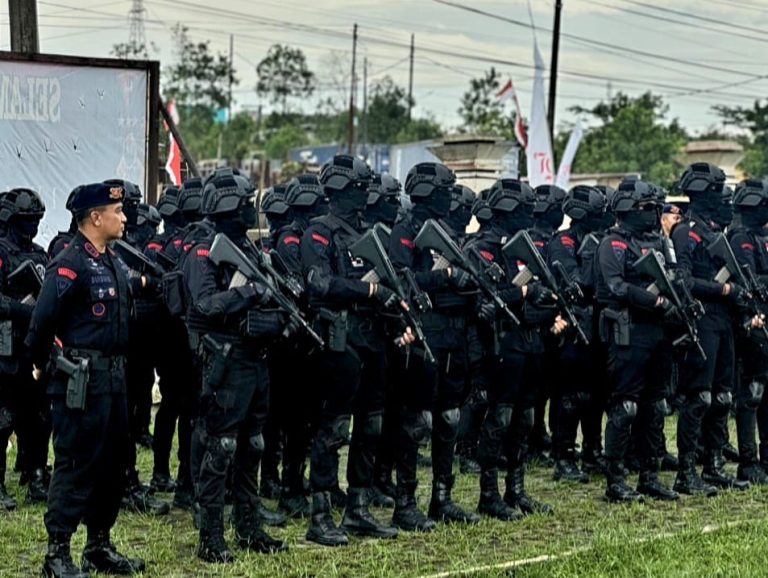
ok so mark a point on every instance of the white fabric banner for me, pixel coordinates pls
(66, 125)
(564, 172)
(539, 151)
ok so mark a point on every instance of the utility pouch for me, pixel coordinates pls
(218, 355)
(6, 338)
(338, 326)
(173, 293)
(615, 323)
(78, 373)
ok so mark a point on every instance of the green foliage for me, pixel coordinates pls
(130, 51)
(283, 73)
(755, 119)
(287, 137)
(481, 111)
(631, 137)
(199, 77)
(387, 111)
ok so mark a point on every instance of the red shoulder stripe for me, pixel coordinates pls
(407, 243)
(320, 239)
(567, 241)
(67, 272)
(748, 246)
(292, 241)
(203, 252)
(619, 245)
(695, 236)
(154, 246)
(487, 255)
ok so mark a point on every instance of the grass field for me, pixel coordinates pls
(723, 536)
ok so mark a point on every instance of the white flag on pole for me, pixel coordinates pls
(539, 152)
(564, 172)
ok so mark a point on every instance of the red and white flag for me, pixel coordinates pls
(539, 150)
(564, 172)
(507, 92)
(173, 165)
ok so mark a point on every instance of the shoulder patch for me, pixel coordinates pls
(187, 247)
(67, 272)
(619, 245)
(320, 239)
(177, 242)
(567, 241)
(695, 236)
(748, 246)
(487, 255)
(203, 253)
(154, 246)
(405, 242)
(539, 244)
(292, 240)
(619, 249)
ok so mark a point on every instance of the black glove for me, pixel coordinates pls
(739, 296)
(386, 296)
(461, 279)
(540, 295)
(291, 328)
(670, 312)
(486, 311)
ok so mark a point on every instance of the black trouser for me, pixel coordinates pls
(350, 382)
(750, 399)
(637, 397)
(387, 449)
(706, 387)
(232, 417)
(175, 368)
(24, 401)
(140, 377)
(89, 468)
(475, 408)
(571, 394)
(292, 399)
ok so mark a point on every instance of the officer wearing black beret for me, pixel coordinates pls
(84, 306)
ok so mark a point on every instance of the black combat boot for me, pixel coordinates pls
(714, 473)
(669, 462)
(752, 473)
(101, 556)
(269, 517)
(269, 487)
(443, 509)
(58, 561)
(359, 521)
(407, 515)
(293, 501)
(338, 497)
(379, 499)
(491, 503)
(322, 530)
(730, 453)
(592, 461)
(137, 499)
(617, 489)
(567, 470)
(162, 483)
(37, 490)
(516, 497)
(688, 480)
(249, 533)
(382, 493)
(212, 547)
(650, 485)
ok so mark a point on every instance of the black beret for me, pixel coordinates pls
(96, 195)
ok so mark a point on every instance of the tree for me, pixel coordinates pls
(283, 73)
(130, 51)
(387, 111)
(199, 78)
(755, 119)
(481, 110)
(287, 137)
(631, 137)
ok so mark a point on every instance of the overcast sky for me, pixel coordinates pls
(717, 58)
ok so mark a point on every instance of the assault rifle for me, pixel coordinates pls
(27, 277)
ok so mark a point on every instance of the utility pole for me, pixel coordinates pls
(352, 87)
(231, 64)
(23, 19)
(553, 68)
(365, 106)
(410, 81)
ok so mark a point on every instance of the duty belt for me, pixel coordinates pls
(98, 361)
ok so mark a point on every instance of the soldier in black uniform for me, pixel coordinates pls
(474, 410)
(705, 386)
(515, 363)
(140, 362)
(547, 219)
(383, 205)
(85, 304)
(289, 363)
(277, 212)
(633, 324)
(352, 368)
(23, 404)
(232, 327)
(586, 208)
(749, 242)
(62, 238)
(431, 394)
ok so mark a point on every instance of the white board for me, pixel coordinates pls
(67, 125)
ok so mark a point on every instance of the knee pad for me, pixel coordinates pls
(721, 404)
(583, 398)
(622, 415)
(478, 397)
(219, 453)
(450, 417)
(661, 408)
(256, 443)
(754, 395)
(418, 426)
(527, 418)
(498, 421)
(698, 403)
(337, 434)
(372, 425)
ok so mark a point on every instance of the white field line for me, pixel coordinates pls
(708, 529)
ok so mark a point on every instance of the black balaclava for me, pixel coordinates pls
(131, 210)
(436, 206)
(510, 222)
(754, 218)
(724, 216)
(143, 233)
(349, 204)
(641, 222)
(384, 210)
(706, 205)
(459, 219)
(550, 220)
(592, 222)
(24, 228)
